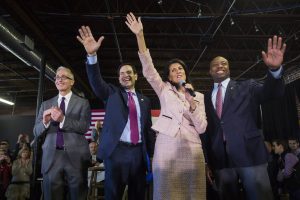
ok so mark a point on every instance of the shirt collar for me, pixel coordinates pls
(224, 83)
(67, 97)
(132, 91)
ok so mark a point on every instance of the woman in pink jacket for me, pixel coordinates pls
(178, 162)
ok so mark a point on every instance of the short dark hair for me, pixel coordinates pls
(282, 143)
(166, 72)
(130, 64)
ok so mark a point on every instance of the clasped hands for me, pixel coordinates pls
(54, 113)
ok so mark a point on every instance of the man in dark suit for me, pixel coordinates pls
(126, 135)
(65, 150)
(235, 147)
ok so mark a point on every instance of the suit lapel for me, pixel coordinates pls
(124, 99)
(210, 104)
(142, 106)
(71, 104)
(228, 94)
(55, 101)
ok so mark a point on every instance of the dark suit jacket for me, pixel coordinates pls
(116, 114)
(244, 142)
(76, 124)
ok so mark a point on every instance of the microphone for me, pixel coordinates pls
(190, 91)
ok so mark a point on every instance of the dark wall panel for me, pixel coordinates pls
(12, 126)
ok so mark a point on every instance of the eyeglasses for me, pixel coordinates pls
(63, 78)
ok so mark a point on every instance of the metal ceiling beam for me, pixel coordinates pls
(28, 20)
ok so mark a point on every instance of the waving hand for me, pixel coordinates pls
(86, 38)
(274, 56)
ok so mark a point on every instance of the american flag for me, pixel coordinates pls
(98, 114)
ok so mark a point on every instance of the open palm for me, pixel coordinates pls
(87, 39)
(274, 56)
(134, 25)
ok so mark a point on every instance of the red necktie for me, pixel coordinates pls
(134, 131)
(219, 101)
(59, 135)
(219, 104)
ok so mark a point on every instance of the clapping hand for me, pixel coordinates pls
(47, 116)
(57, 114)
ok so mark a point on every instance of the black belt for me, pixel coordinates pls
(61, 148)
(128, 144)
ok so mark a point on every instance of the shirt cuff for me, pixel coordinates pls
(46, 125)
(276, 74)
(91, 60)
(61, 124)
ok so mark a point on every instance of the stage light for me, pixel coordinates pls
(231, 21)
(6, 101)
(199, 12)
(160, 2)
(256, 28)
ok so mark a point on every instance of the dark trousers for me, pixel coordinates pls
(63, 179)
(125, 167)
(254, 180)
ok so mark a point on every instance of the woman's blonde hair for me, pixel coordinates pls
(22, 150)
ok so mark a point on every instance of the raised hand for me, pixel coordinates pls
(134, 25)
(274, 56)
(86, 38)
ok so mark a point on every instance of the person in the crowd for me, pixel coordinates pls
(19, 188)
(23, 141)
(273, 170)
(93, 146)
(126, 135)
(294, 146)
(178, 162)
(4, 145)
(289, 169)
(235, 146)
(66, 153)
(5, 172)
(96, 131)
(94, 163)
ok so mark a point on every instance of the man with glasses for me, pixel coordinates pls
(64, 119)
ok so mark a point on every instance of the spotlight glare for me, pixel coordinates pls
(231, 21)
(199, 12)
(6, 102)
